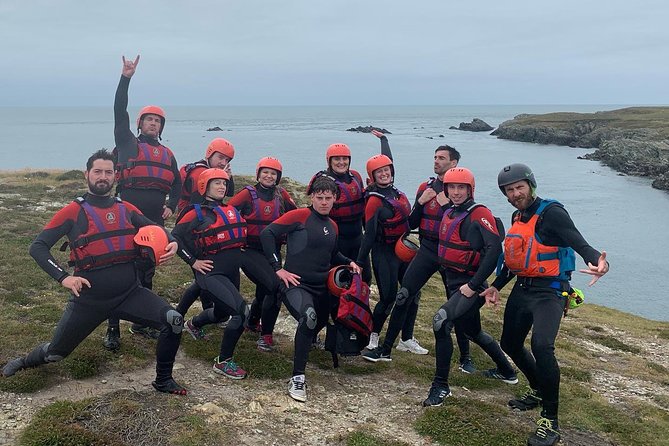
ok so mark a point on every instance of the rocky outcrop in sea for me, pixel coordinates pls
(477, 125)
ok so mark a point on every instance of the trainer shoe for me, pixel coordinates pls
(436, 396)
(254, 327)
(511, 378)
(13, 366)
(196, 332)
(547, 433)
(112, 339)
(297, 388)
(147, 332)
(229, 368)
(224, 324)
(411, 345)
(265, 343)
(531, 400)
(376, 355)
(467, 366)
(373, 341)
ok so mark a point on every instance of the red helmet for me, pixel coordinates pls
(406, 248)
(152, 110)
(270, 163)
(459, 175)
(337, 149)
(339, 280)
(377, 162)
(222, 146)
(152, 240)
(210, 174)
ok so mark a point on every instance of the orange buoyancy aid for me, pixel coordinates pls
(397, 225)
(150, 169)
(526, 256)
(431, 217)
(190, 170)
(264, 213)
(228, 231)
(108, 239)
(454, 252)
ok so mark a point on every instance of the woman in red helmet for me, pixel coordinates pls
(469, 246)
(260, 205)
(147, 174)
(386, 219)
(210, 237)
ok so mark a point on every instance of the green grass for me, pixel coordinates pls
(366, 439)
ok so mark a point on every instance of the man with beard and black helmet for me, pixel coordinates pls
(539, 251)
(100, 230)
(260, 205)
(147, 174)
(469, 247)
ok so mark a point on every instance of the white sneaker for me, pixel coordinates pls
(411, 345)
(298, 388)
(373, 341)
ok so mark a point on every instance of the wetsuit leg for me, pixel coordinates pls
(349, 246)
(300, 304)
(386, 270)
(227, 300)
(190, 296)
(259, 271)
(419, 271)
(463, 342)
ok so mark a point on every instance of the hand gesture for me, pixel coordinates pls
(167, 213)
(466, 291)
(170, 250)
(203, 266)
(355, 268)
(597, 271)
(427, 195)
(288, 278)
(442, 199)
(129, 67)
(378, 134)
(75, 284)
(491, 295)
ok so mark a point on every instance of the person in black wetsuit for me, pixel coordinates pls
(538, 250)
(469, 246)
(311, 252)
(210, 237)
(148, 173)
(105, 281)
(386, 220)
(219, 154)
(260, 205)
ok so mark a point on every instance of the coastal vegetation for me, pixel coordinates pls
(614, 390)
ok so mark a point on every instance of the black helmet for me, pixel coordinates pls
(515, 172)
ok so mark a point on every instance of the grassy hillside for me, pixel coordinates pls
(615, 380)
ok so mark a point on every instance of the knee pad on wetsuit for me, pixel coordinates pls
(237, 321)
(402, 296)
(440, 321)
(174, 320)
(307, 322)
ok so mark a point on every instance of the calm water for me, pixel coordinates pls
(613, 212)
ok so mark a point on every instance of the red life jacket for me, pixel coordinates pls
(228, 231)
(264, 213)
(396, 226)
(353, 310)
(431, 217)
(350, 206)
(150, 169)
(455, 253)
(108, 239)
(526, 256)
(190, 170)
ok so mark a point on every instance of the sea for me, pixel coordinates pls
(622, 215)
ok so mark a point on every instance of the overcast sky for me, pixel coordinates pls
(336, 52)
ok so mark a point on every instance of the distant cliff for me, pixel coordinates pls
(634, 141)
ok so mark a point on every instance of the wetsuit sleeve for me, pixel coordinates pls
(242, 202)
(483, 236)
(337, 257)
(183, 233)
(373, 210)
(417, 210)
(270, 236)
(230, 191)
(505, 275)
(60, 225)
(175, 190)
(557, 229)
(123, 136)
(385, 147)
(288, 202)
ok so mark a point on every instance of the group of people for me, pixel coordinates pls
(219, 232)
